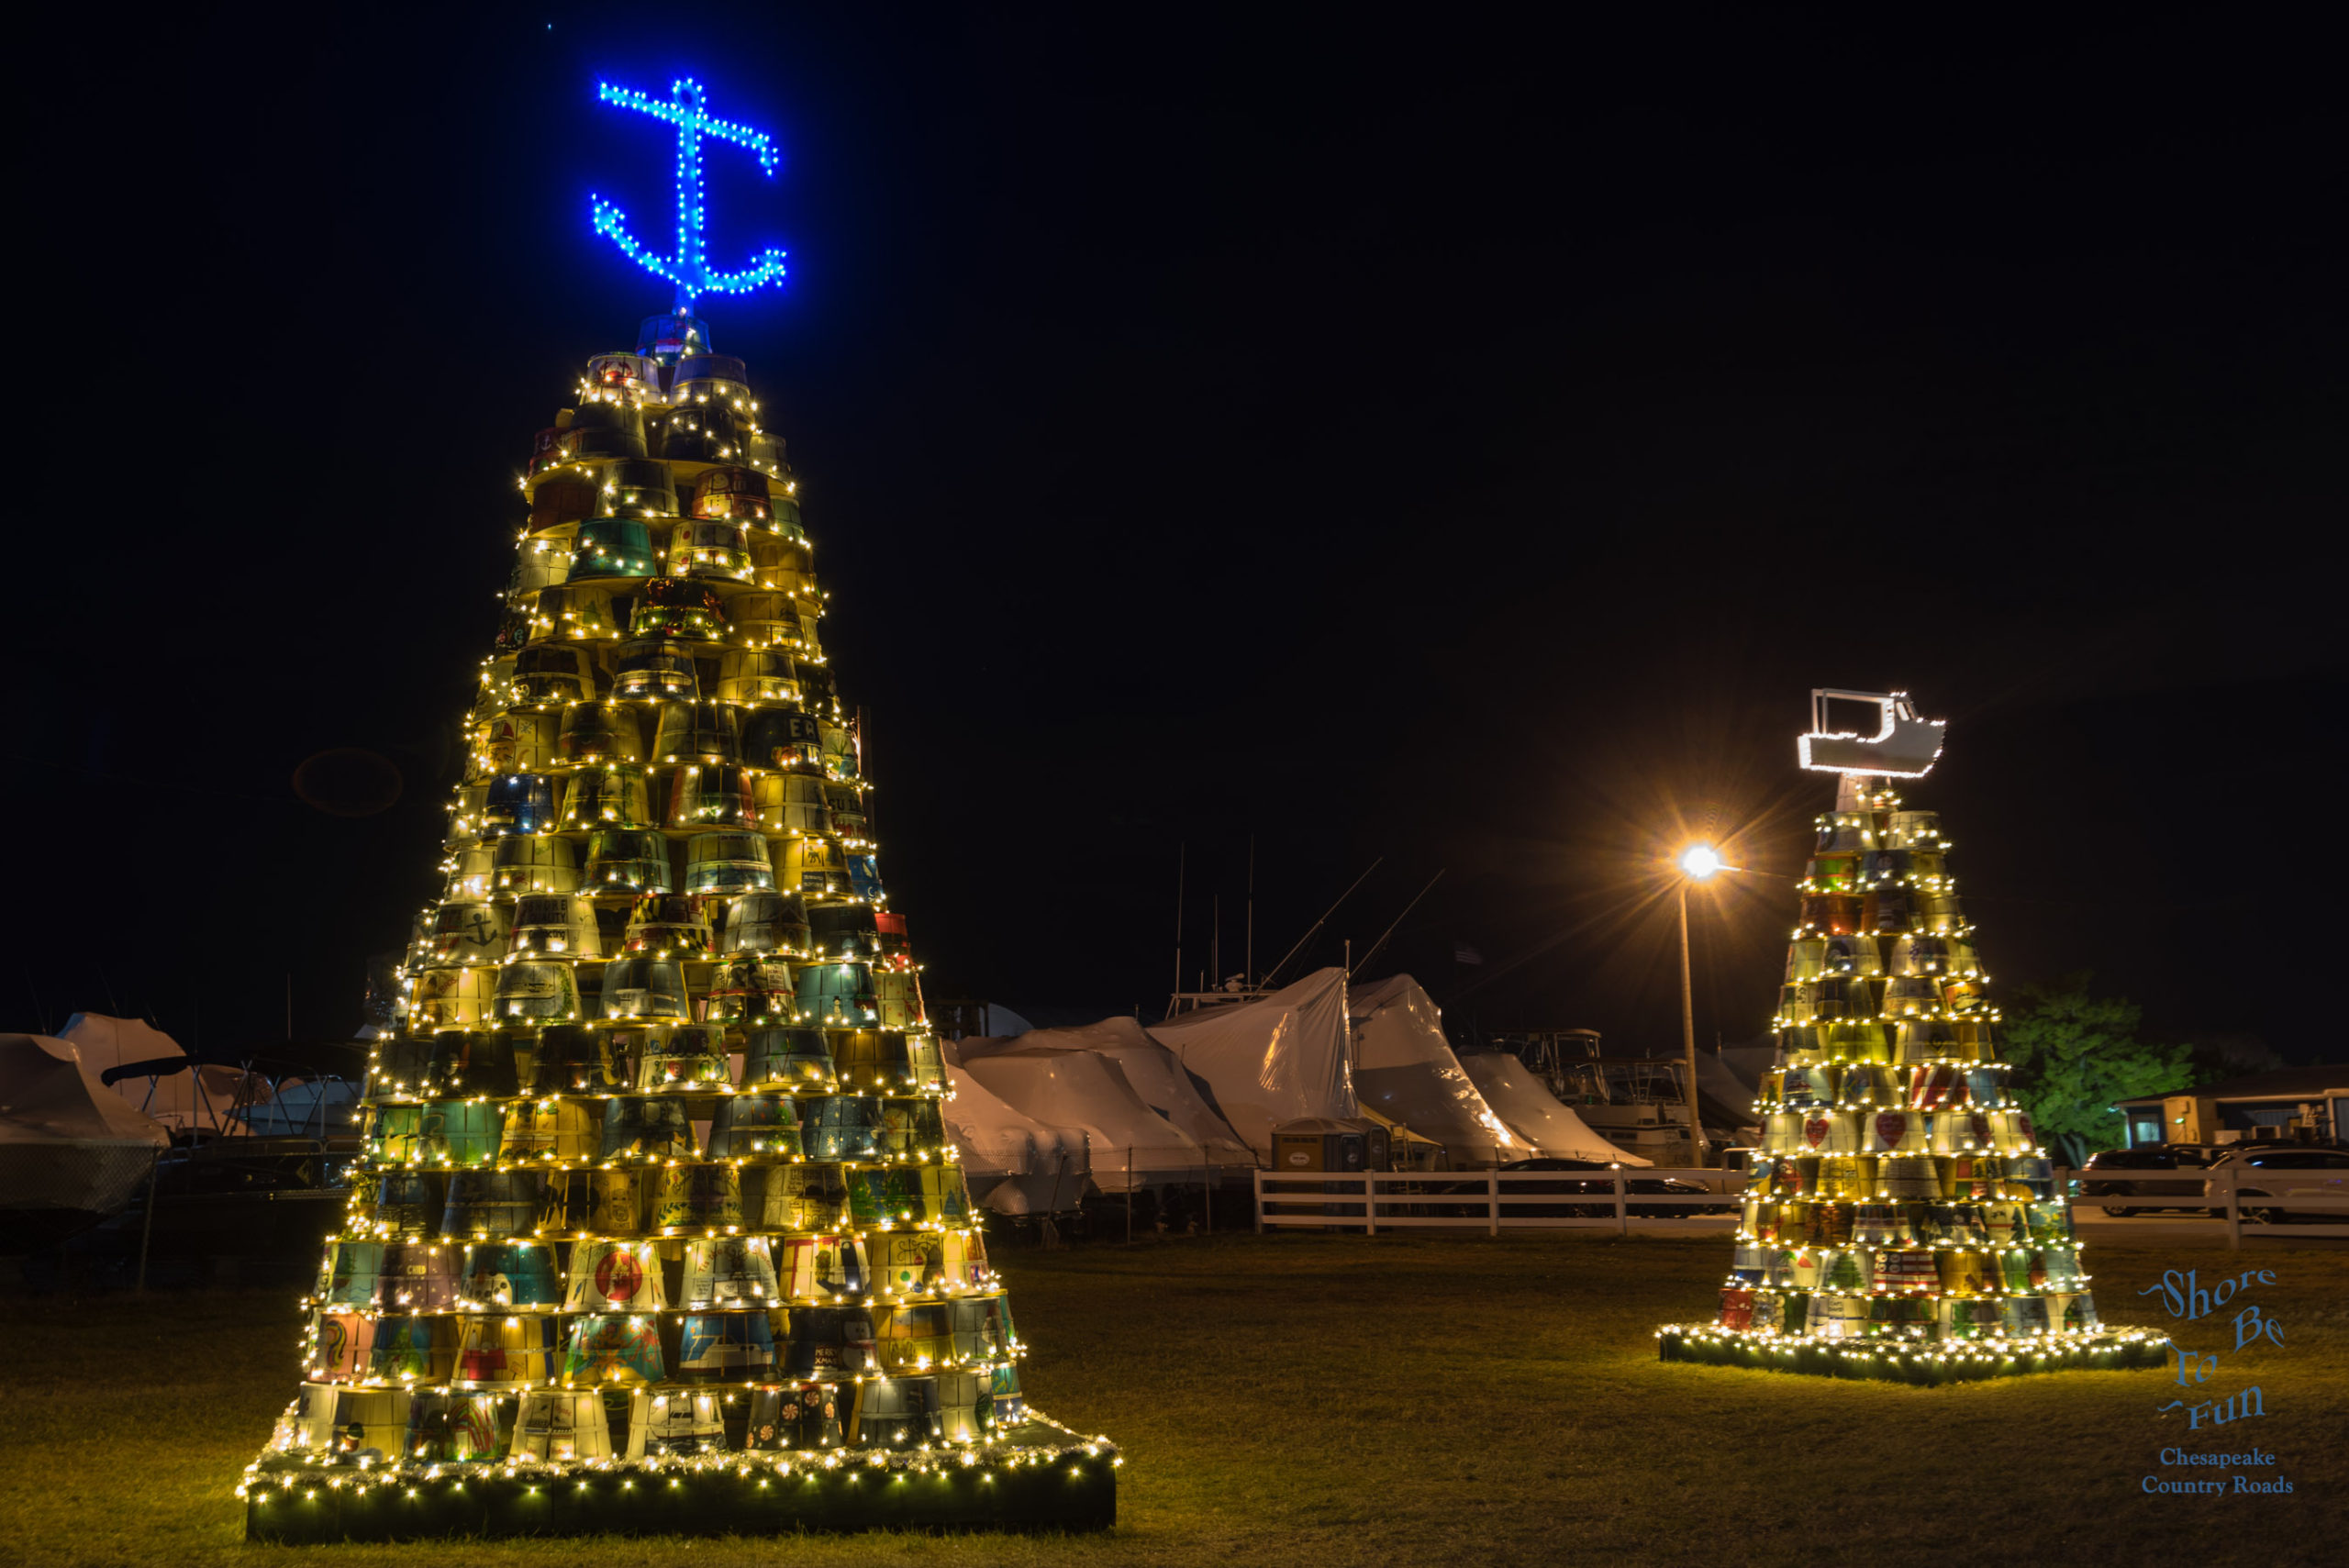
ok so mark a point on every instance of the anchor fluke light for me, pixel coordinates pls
(689, 269)
(1903, 747)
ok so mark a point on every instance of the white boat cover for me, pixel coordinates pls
(1279, 1059)
(202, 1098)
(305, 1107)
(1405, 1070)
(1152, 1070)
(1747, 1063)
(1534, 1114)
(1723, 1098)
(67, 1141)
(1130, 1145)
(1002, 1023)
(103, 1042)
(1012, 1163)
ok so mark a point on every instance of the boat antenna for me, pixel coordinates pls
(40, 1014)
(1398, 920)
(1248, 964)
(1274, 972)
(1182, 853)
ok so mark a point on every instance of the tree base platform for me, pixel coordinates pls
(1895, 1362)
(296, 1503)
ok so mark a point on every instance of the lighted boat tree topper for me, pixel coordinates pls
(1901, 1219)
(1903, 747)
(689, 269)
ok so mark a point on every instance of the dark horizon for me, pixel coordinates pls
(1463, 446)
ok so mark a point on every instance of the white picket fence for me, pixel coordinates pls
(2291, 1208)
(2215, 1197)
(1495, 1201)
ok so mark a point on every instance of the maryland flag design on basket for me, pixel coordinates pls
(1900, 1219)
(655, 1182)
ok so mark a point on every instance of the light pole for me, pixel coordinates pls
(1697, 862)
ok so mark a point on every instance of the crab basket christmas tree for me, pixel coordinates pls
(1900, 1219)
(657, 1225)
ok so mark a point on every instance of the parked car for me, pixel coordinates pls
(1602, 1185)
(2285, 1173)
(2139, 1172)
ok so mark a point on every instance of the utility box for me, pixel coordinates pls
(1325, 1143)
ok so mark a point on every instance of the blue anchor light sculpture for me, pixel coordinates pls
(687, 109)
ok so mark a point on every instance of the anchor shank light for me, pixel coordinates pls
(689, 269)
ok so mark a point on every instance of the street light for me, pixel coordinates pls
(1700, 861)
(1697, 862)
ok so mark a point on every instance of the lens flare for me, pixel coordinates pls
(1699, 861)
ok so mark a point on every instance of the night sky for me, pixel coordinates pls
(1406, 437)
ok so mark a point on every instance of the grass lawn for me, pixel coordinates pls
(1288, 1401)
